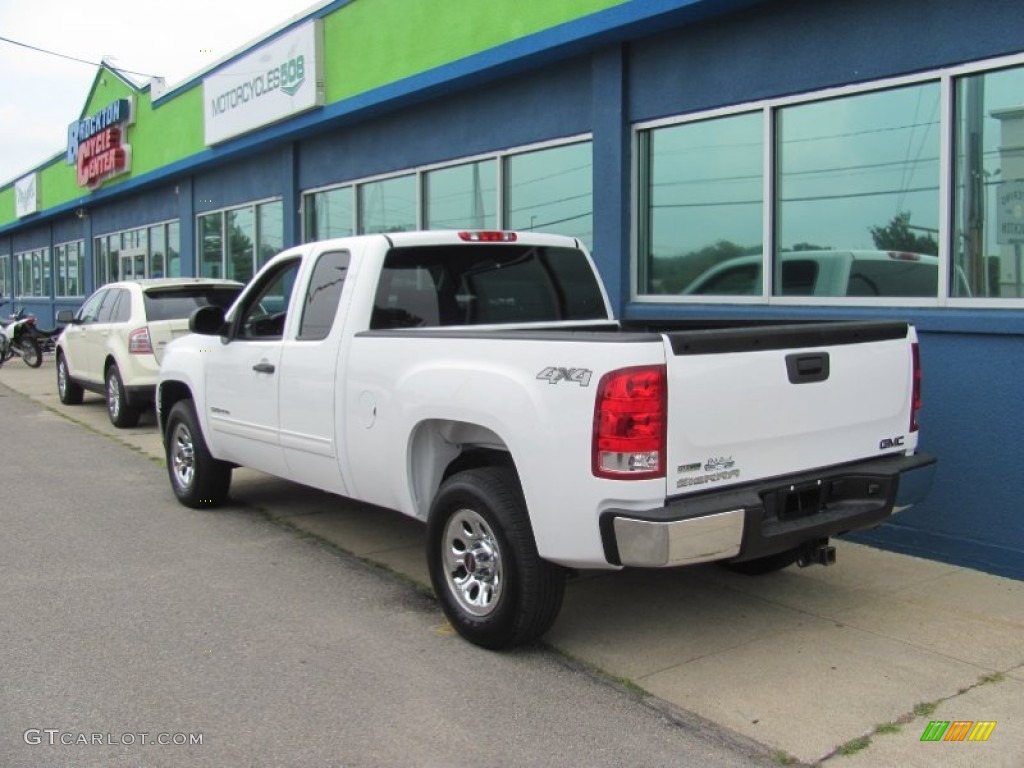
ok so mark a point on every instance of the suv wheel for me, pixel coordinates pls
(69, 391)
(121, 413)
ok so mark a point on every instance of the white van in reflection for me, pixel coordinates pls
(828, 273)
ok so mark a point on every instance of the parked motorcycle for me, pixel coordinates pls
(17, 339)
(46, 338)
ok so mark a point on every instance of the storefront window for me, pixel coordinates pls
(241, 236)
(173, 250)
(330, 213)
(32, 272)
(230, 240)
(388, 205)
(702, 196)
(270, 231)
(858, 195)
(70, 268)
(211, 245)
(6, 289)
(988, 235)
(158, 251)
(462, 197)
(551, 190)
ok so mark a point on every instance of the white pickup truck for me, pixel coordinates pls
(478, 381)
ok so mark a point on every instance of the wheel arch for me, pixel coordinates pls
(439, 448)
(168, 394)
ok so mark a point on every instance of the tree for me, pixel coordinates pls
(897, 236)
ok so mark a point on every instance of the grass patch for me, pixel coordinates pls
(925, 708)
(885, 728)
(995, 677)
(781, 757)
(853, 746)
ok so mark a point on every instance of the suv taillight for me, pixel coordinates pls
(139, 343)
(630, 424)
(915, 392)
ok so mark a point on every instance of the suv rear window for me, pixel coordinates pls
(178, 303)
(430, 286)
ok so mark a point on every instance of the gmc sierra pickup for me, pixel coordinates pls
(478, 381)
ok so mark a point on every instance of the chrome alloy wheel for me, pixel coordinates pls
(62, 378)
(113, 397)
(472, 562)
(183, 456)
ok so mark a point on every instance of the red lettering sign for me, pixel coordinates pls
(100, 157)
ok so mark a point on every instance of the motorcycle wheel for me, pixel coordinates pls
(31, 353)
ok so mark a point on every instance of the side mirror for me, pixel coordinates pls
(65, 316)
(207, 321)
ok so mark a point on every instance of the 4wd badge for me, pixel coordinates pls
(553, 375)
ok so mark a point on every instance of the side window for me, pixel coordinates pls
(122, 312)
(323, 295)
(109, 308)
(91, 309)
(265, 310)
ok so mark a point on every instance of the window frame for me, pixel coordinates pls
(255, 207)
(500, 157)
(946, 79)
(35, 267)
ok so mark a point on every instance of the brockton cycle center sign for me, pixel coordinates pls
(98, 144)
(277, 80)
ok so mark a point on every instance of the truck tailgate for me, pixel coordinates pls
(748, 404)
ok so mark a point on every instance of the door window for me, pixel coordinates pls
(91, 309)
(265, 310)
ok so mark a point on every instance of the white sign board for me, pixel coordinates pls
(278, 80)
(26, 195)
(1010, 213)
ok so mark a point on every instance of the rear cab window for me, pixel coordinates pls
(444, 285)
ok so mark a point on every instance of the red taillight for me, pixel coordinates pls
(630, 424)
(915, 393)
(139, 343)
(488, 237)
(30, 320)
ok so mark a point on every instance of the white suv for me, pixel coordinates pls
(114, 343)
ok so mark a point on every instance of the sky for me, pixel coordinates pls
(41, 94)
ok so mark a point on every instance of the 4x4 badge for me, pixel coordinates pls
(553, 375)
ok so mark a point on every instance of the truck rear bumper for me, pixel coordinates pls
(761, 519)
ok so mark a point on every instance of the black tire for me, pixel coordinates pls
(68, 390)
(122, 413)
(197, 479)
(762, 565)
(31, 354)
(494, 588)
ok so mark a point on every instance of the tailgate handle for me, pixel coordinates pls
(806, 369)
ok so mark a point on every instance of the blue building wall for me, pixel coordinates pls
(973, 359)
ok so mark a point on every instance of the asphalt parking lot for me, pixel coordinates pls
(846, 665)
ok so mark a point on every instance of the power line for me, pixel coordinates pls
(72, 58)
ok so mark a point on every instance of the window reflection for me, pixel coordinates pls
(463, 197)
(330, 213)
(702, 189)
(988, 232)
(388, 205)
(551, 190)
(858, 182)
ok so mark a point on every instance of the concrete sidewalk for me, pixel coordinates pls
(844, 666)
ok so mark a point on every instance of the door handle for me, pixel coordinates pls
(263, 368)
